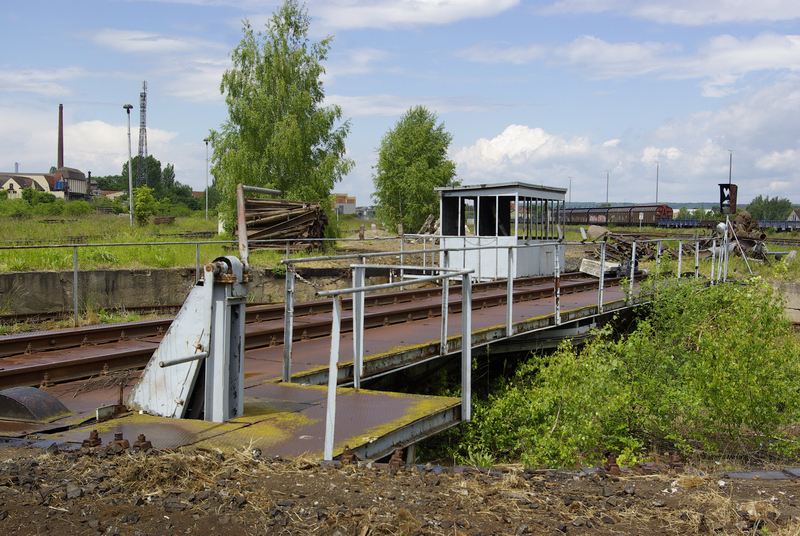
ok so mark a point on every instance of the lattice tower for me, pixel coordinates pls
(141, 169)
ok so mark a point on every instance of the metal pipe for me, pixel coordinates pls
(602, 277)
(510, 294)
(184, 359)
(242, 226)
(557, 289)
(75, 285)
(633, 266)
(330, 414)
(680, 257)
(338, 292)
(259, 190)
(358, 326)
(288, 325)
(444, 346)
(466, 348)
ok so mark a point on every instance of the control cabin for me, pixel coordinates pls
(503, 215)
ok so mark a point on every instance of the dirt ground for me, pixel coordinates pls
(103, 492)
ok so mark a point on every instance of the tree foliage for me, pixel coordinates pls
(412, 161)
(144, 204)
(711, 368)
(764, 208)
(278, 134)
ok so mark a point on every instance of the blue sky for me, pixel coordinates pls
(551, 92)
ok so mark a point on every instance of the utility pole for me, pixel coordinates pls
(657, 165)
(570, 190)
(130, 162)
(206, 140)
(607, 183)
(730, 169)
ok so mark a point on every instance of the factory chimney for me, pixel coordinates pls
(60, 136)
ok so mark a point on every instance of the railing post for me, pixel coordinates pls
(288, 324)
(75, 284)
(402, 257)
(633, 266)
(697, 259)
(358, 324)
(196, 262)
(557, 289)
(510, 295)
(443, 345)
(330, 417)
(680, 257)
(466, 348)
(602, 277)
(658, 258)
(713, 259)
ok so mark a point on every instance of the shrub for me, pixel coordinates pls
(710, 367)
(78, 208)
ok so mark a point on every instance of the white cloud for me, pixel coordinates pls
(519, 55)
(140, 42)
(692, 151)
(720, 63)
(41, 82)
(779, 161)
(341, 14)
(517, 147)
(684, 12)
(387, 105)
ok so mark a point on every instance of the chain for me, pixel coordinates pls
(347, 273)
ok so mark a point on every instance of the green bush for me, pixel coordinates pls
(50, 209)
(78, 208)
(712, 368)
(15, 208)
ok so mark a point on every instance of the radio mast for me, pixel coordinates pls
(141, 169)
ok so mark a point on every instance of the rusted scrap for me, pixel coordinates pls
(280, 219)
(396, 461)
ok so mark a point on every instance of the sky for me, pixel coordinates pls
(630, 100)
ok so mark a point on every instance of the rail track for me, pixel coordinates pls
(69, 354)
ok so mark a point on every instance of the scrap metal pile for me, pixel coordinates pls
(279, 219)
(744, 238)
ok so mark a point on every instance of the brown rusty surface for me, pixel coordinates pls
(314, 354)
(280, 419)
(73, 363)
(30, 404)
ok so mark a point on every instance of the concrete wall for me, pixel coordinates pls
(791, 293)
(35, 292)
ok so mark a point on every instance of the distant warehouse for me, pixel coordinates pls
(65, 183)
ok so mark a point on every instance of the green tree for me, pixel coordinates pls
(764, 208)
(683, 214)
(412, 161)
(144, 204)
(278, 134)
(153, 174)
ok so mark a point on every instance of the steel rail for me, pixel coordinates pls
(35, 342)
(135, 351)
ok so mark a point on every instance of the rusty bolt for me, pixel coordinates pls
(396, 461)
(611, 466)
(85, 341)
(46, 382)
(347, 456)
(122, 336)
(93, 440)
(124, 443)
(29, 349)
(142, 443)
